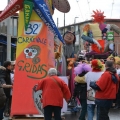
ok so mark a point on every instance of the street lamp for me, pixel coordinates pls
(74, 28)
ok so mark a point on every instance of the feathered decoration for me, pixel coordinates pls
(97, 65)
(83, 67)
(98, 16)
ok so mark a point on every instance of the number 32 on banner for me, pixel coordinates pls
(34, 28)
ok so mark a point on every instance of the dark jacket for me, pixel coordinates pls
(2, 75)
(2, 97)
(5, 78)
(80, 90)
(80, 87)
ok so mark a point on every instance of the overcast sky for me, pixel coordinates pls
(83, 9)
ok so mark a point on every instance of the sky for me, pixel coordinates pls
(82, 9)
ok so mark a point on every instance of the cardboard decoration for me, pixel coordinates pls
(11, 8)
(95, 48)
(28, 7)
(40, 8)
(35, 55)
(37, 97)
(62, 5)
(43, 12)
(110, 36)
(35, 50)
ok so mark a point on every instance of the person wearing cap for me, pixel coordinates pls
(94, 75)
(54, 90)
(106, 89)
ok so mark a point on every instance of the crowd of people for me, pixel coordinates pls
(96, 86)
(6, 82)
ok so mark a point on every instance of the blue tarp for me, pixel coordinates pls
(5, 43)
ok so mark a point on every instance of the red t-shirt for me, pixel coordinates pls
(108, 88)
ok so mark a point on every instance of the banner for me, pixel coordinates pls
(28, 7)
(34, 56)
(11, 8)
(43, 12)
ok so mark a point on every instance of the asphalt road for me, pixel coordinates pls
(113, 114)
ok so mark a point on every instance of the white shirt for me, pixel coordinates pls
(92, 76)
(12, 80)
(118, 71)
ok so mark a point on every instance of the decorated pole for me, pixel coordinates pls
(35, 49)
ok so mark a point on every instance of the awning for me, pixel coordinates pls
(5, 43)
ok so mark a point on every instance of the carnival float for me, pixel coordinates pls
(36, 50)
(100, 36)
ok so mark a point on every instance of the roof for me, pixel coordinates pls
(87, 21)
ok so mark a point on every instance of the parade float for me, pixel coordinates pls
(35, 48)
(100, 36)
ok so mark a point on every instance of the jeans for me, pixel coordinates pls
(91, 111)
(8, 105)
(103, 113)
(1, 113)
(84, 109)
(48, 110)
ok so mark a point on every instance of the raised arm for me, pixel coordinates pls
(87, 38)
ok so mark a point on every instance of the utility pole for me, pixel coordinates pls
(8, 39)
(75, 28)
(75, 22)
(64, 23)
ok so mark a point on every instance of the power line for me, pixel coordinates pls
(80, 10)
(112, 7)
(89, 7)
(88, 4)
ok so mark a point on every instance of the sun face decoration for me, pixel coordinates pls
(98, 16)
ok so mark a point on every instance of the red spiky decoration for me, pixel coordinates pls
(98, 16)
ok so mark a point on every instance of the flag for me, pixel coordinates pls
(43, 12)
(28, 7)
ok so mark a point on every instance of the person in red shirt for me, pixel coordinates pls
(107, 88)
(54, 90)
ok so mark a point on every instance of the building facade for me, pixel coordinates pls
(78, 29)
(3, 37)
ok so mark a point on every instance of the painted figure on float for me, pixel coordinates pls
(100, 34)
(35, 47)
(69, 38)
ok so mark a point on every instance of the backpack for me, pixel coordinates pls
(2, 97)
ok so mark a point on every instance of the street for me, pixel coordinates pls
(114, 115)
